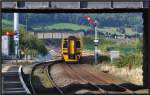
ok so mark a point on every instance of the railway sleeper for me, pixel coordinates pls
(132, 87)
(98, 88)
(115, 88)
(75, 87)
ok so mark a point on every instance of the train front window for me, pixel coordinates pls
(65, 44)
(78, 44)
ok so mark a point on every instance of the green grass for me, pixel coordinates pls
(131, 52)
(130, 58)
(43, 80)
(113, 30)
(7, 23)
(104, 58)
(76, 27)
(133, 46)
(61, 26)
(88, 43)
(134, 59)
(106, 44)
(129, 31)
(110, 30)
(70, 26)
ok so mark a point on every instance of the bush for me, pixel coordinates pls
(124, 60)
(29, 41)
(103, 58)
(88, 43)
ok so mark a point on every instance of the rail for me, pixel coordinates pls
(99, 89)
(54, 84)
(119, 86)
(103, 89)
(110, 88)
(22, 81)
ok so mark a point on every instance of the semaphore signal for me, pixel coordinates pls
(93, 23)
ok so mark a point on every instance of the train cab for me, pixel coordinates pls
(71, 49)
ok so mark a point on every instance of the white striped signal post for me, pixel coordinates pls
(16, 36)
(95, 40)
(94, 23)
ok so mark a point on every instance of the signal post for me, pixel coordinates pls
(95, 41)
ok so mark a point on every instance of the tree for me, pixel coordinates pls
(28, 41)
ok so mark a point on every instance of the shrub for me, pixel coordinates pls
(124, 60)
(103, 58)
(88, 43)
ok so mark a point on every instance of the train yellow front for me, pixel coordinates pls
(71, 49)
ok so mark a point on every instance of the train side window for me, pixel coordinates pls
(65, 44)
(78, 44)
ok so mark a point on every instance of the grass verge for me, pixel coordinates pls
(43, 78)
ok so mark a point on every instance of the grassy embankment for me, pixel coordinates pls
(130, 52)
(76, 27)
(41, 75)
(61, 26)
(128, 67)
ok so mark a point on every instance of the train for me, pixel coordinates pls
(71, 49)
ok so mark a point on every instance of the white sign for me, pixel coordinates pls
(96, 41)
(114, 55)
(5, 45)
(16, 37)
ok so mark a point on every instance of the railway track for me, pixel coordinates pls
(115, 84)
(13, 81)
(105, 87)
(126, 90)
(53, 81)
(76, 74)
(84, 77)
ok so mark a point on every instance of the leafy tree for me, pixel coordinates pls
(28, 41)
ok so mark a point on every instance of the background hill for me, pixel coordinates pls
(76, 20)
